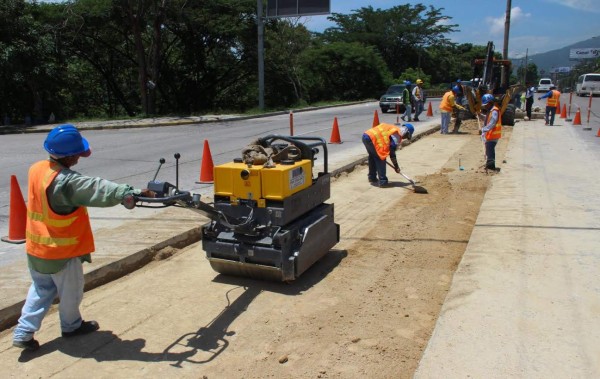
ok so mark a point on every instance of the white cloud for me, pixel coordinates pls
(497, 24)
(582, 5)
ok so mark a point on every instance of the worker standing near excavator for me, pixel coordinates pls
(447, 105)
(491, 131)
(59, 236)
(553, 95)
(382, 141)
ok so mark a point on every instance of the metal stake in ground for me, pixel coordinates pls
(416, 188)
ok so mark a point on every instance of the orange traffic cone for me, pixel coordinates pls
(18, 214)
(598, 134)
(206, 171)
(558, 106)
(335, 132)
(577, 120)
(375, 119)
(429, 111)
(563, 114)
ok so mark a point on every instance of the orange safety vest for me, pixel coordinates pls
(50, 235)
(552, 101)
(380, 136)
(446, 104)
(496, 132)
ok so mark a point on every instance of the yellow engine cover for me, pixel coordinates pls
(257, 182)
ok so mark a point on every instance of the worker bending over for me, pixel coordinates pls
(447, 105)
(382, 141)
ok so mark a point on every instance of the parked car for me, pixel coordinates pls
(544, 85)
(392, 98)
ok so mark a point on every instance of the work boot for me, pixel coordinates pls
(86, 327)
(383, 184)
(31, 345)
(416, 119)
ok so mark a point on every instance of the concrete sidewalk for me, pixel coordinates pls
(525, 299)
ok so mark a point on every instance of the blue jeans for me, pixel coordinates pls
(490, 153)
(418, 108)
(550, 113)
(445, 122)
(376, 165)
(67, 284)
(407, 113)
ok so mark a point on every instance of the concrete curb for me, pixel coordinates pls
(115, 270)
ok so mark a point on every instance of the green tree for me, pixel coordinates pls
(401, 34)
(344, 71)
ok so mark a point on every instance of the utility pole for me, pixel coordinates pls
(261, 55)
(504, 73)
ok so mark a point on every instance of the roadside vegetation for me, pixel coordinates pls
(136, 58)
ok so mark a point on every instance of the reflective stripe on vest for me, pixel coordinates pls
(380, 136)
(494, 133)
(48, 234)
(552, 101)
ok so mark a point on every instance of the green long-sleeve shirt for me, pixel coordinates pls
(70, 190)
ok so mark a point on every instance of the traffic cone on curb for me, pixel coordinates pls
(577, 120)
(206, 170)
(429, 111)
(335, 132)
(375, 119)
(563, 114)
(17, 217)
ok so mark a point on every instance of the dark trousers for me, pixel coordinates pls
(550, 113)
(528, 106)
(490, 154)
(376, 165)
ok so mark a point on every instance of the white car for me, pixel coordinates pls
(544, 85)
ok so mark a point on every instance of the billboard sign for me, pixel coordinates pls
(296, 8)
(560, 70)
(583, 53)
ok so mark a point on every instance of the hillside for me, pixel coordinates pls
(559, 57)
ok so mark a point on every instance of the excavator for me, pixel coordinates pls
(488, 79)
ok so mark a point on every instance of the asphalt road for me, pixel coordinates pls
(131, 155)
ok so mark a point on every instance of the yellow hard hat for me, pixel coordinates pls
(419, 81)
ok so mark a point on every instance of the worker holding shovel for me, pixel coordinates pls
(382, 141)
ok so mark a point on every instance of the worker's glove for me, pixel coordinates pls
(397, 169)
(147, 193)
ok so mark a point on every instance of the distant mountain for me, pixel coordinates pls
(556, 58)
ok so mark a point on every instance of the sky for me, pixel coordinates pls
(536, 26)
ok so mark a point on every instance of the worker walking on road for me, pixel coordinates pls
(418, 96)
(59, 236)
(529, 96)
(491, 131)
(447, 105)
(407, 101)
(382, 141)
(553, 95)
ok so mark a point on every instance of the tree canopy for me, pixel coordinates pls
(115, 58)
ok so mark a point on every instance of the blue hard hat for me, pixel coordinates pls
(456, 89)
(410, 128)
(485, 99)
(65, 140)
(407, 82)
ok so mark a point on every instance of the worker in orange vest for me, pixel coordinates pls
(447, 105)
(59, 236)
(491, 131)
(382, 141)
(553, 95)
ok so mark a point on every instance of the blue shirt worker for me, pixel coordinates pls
(382, 141)
(551, 104)
(491, 131)
(59, 236)
(529, 96)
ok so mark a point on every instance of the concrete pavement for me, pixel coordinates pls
(525, 299)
